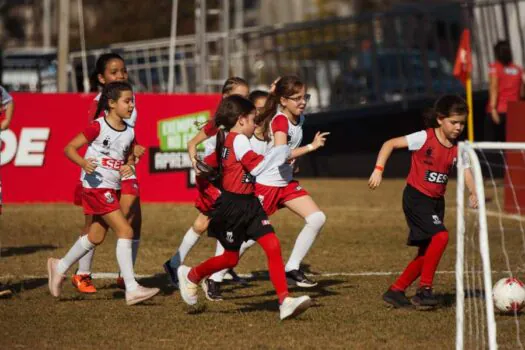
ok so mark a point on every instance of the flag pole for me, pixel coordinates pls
(470, 119)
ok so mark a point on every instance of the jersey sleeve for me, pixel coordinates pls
(5, 98)
(92, 131)
(280, 123)
(245, 154)
(210, 129)
(416, 140)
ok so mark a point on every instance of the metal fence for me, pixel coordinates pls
(371, 58)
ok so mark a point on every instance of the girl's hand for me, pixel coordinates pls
(319, 139)
(89, 166)
(272, 85)
(375, 179)
(138, 151)
(195, 167)
(495, 116)
(4, 124)
(127, 171)
(473, 201)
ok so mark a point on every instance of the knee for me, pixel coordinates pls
(96, 239)
(316, 220)
(442, 237)
(125, 232)
(231, 259)
(200, 225)
(271, 245)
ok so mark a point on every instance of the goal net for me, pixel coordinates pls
(490, 243)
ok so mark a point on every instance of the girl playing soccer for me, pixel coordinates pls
(237, 215)
(110, 67)
(208, 193)
(110, 140)
(434, 153)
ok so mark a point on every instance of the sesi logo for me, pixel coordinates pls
(435, 177)
(28, 150)
(111, 163)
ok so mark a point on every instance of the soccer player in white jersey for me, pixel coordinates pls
(110, 141)
(110, 67)
(208, 193)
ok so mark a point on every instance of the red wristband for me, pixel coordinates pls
(379, 167)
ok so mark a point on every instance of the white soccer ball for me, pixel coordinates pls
(509, 295)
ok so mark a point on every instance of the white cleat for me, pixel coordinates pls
(188, 289)
(54, 278)
(292, 307)
(140, 294)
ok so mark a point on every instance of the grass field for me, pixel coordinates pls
(365, 234)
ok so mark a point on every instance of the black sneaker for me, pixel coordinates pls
(298, 278)
(396, 298)
(232, 276)
(211, 289)
(172, 274)
(424, 297)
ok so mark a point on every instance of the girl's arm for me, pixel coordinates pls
(318, 142)
(493, 98)
(71, 151)
(192, 147)
(382, 158)
(469, 181)
(255, 163)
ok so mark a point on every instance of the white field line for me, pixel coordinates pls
(113, 275)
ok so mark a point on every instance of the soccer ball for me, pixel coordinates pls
(509, 295)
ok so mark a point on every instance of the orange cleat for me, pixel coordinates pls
(120, 283)
(83, 283)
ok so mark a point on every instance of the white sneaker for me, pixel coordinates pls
(140, 294)
(54, 278)
(292, 307)
(188, 289)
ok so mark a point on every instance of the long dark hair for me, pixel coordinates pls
(445, 106)
(503, 52)
(100, 67)
(285, 87)
(112, 91)
(229, 111)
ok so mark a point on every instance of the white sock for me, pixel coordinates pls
(81, 247)
(305, 240)
(125, 263)
(85, 263)
(190, 239)
(219, 275)
(134, 250)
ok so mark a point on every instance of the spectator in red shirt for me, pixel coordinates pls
(506, 85)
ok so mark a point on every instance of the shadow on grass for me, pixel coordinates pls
(28, 284)
(6, 252)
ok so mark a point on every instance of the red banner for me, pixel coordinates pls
(33, 166)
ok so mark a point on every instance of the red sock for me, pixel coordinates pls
(272, 248)
(411, 272)
(435, 251)
(227, 260)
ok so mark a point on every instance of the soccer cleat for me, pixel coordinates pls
(55, 279)
(83, 283)
(120, 283)
(172, 274)
(211, 289)
(232, 276)
(396, 298)
(188, 289)
(5, 292)
(292, 307)
(424, 297)
(140, 294)
(298, 278)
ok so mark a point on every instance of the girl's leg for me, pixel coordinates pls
(85, 263)
(306, 208)
(411, 272)
(433, 255)
(132, 211)
(192, 236)
(218, 277)
(272, 248)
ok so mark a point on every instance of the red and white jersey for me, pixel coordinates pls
(109, 149)
(258, 145)
(280, 177)
(92, 110)
(241, 164)
(431, 163)
(211, 131)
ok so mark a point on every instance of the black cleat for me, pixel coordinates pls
(396, 298)
(234, 277)
(211, 289)
(172, 274)
(298, 278)
(424, 297)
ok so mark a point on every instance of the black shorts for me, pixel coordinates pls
(236, 218)
(424, 216)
